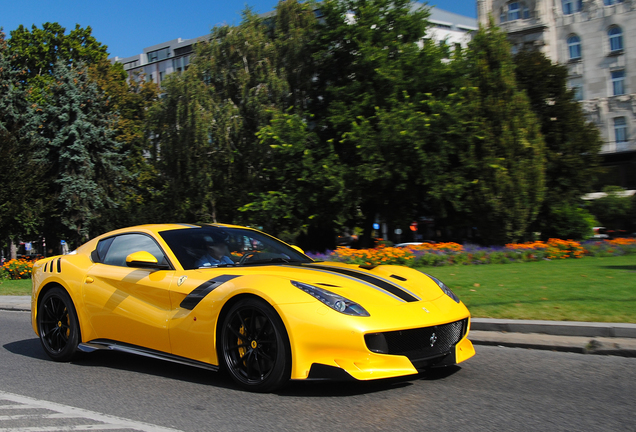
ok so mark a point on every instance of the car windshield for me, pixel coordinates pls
(213, 246)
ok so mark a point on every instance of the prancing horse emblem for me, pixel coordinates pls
(181, 280)
(433, 339)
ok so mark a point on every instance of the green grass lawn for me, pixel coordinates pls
(15, 287)
(587, 289)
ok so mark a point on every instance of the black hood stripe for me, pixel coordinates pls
(199, 293)
(370, 279)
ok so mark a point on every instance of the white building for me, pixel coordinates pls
(596, 40)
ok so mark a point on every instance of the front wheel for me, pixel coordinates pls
(254, 347)
(58, 325)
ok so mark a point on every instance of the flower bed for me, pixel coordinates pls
(16, 269)
(439, 254)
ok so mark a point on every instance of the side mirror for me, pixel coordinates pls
(143, 259)
(298, 249)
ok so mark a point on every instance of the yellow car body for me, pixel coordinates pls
(397, 322)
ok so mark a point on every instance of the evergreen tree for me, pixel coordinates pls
(84, 170)
(572, 145)
(504, 161)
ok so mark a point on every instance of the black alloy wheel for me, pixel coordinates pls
(254, 346)
(58, 325)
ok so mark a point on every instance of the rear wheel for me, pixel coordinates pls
(58, 325)
(254, 346)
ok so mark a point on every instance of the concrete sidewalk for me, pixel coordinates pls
(567, 336)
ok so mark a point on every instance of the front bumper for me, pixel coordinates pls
(333, 340)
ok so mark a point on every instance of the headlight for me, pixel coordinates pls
(444, 288)
(334, 301)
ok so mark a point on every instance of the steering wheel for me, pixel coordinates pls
(247, 256)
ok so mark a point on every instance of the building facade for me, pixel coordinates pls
(596, 40)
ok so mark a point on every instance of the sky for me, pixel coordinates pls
(129, 26)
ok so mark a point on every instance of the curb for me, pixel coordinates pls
(15, 303)
(557, 328)
(623, 347)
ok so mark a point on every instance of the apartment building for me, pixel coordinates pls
(596, 40)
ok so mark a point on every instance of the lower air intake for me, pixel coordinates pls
(423, 343)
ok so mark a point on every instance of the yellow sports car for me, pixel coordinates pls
(233, 298)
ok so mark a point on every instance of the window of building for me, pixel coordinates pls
(158, 55)
(131, 65)
(572, 6)
(612, 2)
(615, 35)
(576, 85)
(574, 47)
(618, 82)
(525, 10)
(620, 129)
(513, 11)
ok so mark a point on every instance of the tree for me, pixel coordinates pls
(19, 174)
(83, 163)
(304, 188)
(504, 161)
(38, 51)
(374, 67)
(210, 158)
(191, 164)
(572, 144)
(130, 102)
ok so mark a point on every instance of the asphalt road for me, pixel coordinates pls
(500, 389)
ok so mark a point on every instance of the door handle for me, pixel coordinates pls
(89, 280)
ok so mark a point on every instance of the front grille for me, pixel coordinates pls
(416, 343)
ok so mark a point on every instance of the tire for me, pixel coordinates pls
(254, 347)
(58, 325)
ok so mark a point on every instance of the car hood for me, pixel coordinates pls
(384, 284)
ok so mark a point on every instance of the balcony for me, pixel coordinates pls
(523, 26)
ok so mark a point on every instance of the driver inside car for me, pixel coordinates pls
(216, 253)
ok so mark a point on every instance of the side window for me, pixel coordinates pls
(124, 245)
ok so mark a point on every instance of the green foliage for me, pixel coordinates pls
(572, 144)
(373, 68)
(20, 176)
(303, 181)
(75, 142)
(568, 221)
(504, 161)
(39, 50)
(129, 101)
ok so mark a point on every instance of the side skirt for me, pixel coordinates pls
(106, 344)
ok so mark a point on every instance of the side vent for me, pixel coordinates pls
(400, 278)
(59, 265)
